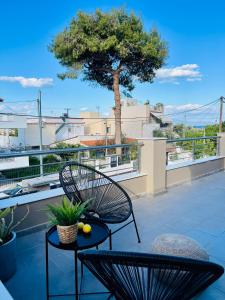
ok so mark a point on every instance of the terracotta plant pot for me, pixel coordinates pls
(67, 234)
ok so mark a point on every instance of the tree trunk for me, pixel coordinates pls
(117, 111)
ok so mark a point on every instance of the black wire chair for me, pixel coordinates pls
(140, 276)
(111, 203)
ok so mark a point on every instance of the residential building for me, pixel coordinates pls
(53, 130)
(12, 129)
(95, 124)
(12, 137)
(138, 120)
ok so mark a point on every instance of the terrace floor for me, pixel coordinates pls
(196, 209)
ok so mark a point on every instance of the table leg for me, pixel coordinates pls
(76, 276)
(82, 274)
(46, 266)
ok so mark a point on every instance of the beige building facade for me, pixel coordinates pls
(138, 120)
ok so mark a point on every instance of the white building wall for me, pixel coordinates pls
(32, 135)
(7, 124)
(50, 134)
(9, 121)
(70, 131)
(136, 121)
(134, 117)
(148, 130)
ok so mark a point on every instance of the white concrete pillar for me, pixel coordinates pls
(153, 163)
(221, 144)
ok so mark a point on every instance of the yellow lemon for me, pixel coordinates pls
(87, 228)
(80, 225)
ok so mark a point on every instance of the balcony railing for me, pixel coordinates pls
(42, 167)
(191, 149)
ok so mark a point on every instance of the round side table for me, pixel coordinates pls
(100, 232)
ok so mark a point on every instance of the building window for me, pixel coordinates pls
(3, 132)
(13, 132)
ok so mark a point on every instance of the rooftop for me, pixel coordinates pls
(196, 209)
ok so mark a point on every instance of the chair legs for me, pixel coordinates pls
(110, 239)
(135, 225)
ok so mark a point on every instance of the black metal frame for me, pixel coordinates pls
(73, 191)
(129, 276)
(75, 248)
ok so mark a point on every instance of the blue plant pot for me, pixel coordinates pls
(8, 259)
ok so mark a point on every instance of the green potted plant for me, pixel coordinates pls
(66, 217)
(8, 242)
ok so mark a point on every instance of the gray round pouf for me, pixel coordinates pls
(178, 245)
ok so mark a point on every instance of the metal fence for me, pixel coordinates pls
(41, 168)
(191, 149)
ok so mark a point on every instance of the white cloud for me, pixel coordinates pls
(28, 82)
(189, 72)
(84, 108)
(179, 108)
(18, 108)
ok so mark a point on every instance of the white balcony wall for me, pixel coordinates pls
(14, 163)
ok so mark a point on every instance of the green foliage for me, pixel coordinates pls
(7, 224)
(212, 130)
(51, 158)
(33, 160)
(179, 129)
(158, 133)
(67, 213)
(67, 156)
(203, 147)
(101, 43)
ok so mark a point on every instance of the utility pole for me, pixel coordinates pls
(67, 112)
(40, 131)
(221, 113)
(98, 110)
(204, 135)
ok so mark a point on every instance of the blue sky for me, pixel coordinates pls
(194, 31)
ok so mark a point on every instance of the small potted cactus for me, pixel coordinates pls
(66, 217)
(8, 242)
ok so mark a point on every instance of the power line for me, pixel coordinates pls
(110, 118)
(193, 109)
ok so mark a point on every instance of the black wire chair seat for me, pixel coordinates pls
(111, 203)
(140, 276)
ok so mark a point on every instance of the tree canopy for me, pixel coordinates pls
(99, 44)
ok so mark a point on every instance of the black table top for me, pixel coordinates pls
(98, 235)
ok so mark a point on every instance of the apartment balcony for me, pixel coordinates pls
(194, 208)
